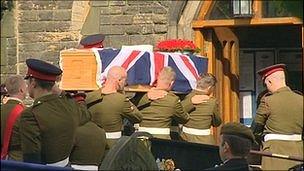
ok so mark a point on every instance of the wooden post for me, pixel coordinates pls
(257, 9)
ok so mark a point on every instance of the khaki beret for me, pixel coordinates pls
(237, 129)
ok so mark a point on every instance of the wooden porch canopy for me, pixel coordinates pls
(219, 43)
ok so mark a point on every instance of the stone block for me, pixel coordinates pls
(26, 55)
(3, 51)
(131, 10)
(29, 37)
(139, 2)
(147, 29)
(32, 47)
(51, 56)
(63, 15)
(12, 51)
(159, 37)
(29, 15)
(62, 26)
(141, 39)
(118, 40)
(67, 4)
(104, 10)
(115, 10)
(105, 19)
(9, 69)
(25, 5)
(133, 29)
(118, 3)
(145, 9)
(8, 24)
(12, 60)
(112, 29)
(11, 42)
(122, 19)
(45, 15)
(22, 68)
(44, 5)
(160, 28)
(103, 3)
(159, 19)
(68, 45)
(142, 19)
(159, 10)
(34, 26)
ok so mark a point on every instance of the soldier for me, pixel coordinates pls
(109, 106)
(235, 144)
(10, 114)
(48, 127)
(90, 140)
(279, 118)
(158, 112)
(205, 114)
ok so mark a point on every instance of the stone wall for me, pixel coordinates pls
(128, 22)
(39, 29)
(42, 28)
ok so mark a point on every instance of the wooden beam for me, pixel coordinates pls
(205, 9)
(257, 8)
(246, 22)
(199, 40)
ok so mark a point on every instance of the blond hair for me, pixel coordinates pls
(167, 74)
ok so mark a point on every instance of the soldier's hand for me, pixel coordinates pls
(198, 99)
(154, 94)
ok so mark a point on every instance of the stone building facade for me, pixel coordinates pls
(41, 29)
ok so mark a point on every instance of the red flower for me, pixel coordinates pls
(176, 45)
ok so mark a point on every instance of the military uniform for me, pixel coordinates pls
(240, 164)
(89, 147)
(14, 150)
(108, 111)
(281, 113)
(48, 129)
(205, 115)
(158, 114)
(279, 119)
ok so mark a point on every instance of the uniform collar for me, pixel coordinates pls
(14, 98)
(199, 92)
(286, 88)
(44, 98)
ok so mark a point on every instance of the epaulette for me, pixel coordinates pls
(298, 92)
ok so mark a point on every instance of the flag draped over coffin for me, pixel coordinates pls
(143, 67)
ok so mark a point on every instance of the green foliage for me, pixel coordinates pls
(6, 5)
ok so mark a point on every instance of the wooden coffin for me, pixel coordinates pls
(79, 70)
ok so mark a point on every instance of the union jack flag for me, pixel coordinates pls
(143, 67)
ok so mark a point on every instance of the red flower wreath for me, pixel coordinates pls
(176, 45)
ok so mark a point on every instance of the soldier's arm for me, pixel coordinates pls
(131, 112)
(259, 121)
(187, 103)
(30, 137)
(85, 114)
(143, 101)
(181, 116)
(216, 118)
